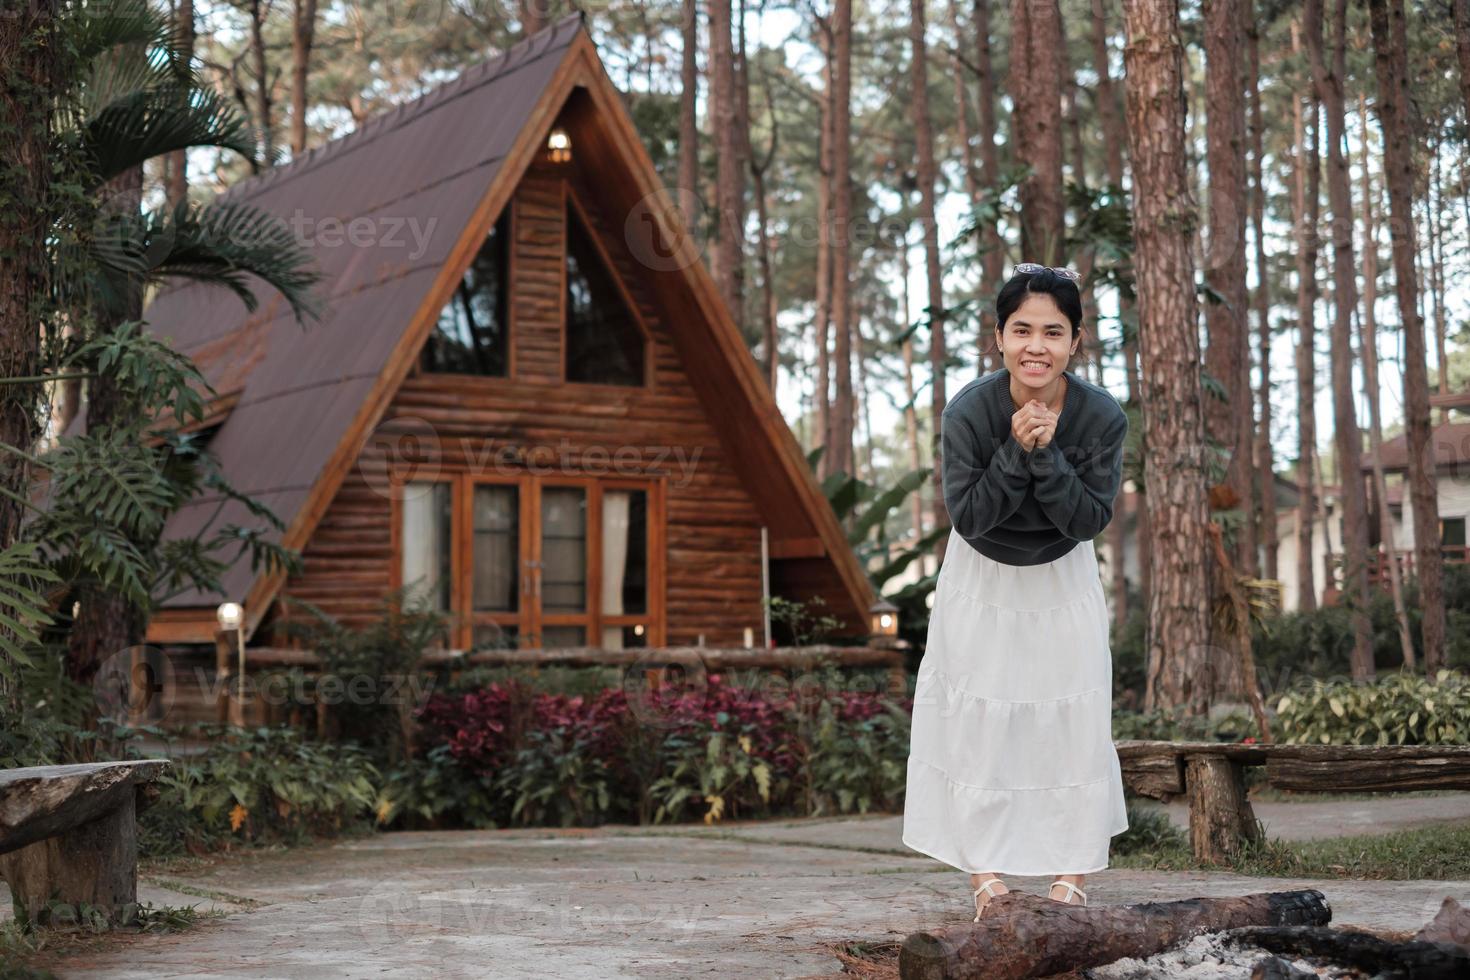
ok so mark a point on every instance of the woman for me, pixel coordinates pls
(1011, 765)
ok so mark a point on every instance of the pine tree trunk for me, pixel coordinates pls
(1306, 369)
(1261, 301)
(264, 102)
(1173, 431)
(1347, 437)
(765, 247)
(910, 410)
(1369, 347)
(303, 31)
(928, 176)
(29, 70)
(1114, 140)
(1437, 210)
(533, 16)
(1038, 62)
(1386, 18)
(824, 256)
(992, 257)
(1107, 98)
(842, 422)
(1462, 49)
(962, 111)
(688, 113)
(728, 252)
(1228, 356)
(107, 623)
(178, 161)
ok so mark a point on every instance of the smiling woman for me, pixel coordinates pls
(1011, 766)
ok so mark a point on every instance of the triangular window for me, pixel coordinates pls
(604, 344)
(473, 332)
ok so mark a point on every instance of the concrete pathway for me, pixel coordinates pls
(745, 899)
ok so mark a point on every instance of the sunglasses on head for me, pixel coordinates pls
(1030, 268)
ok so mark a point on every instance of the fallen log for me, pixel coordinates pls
(1028, 936)
(1381, 958)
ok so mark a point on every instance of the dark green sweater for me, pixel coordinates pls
(1023, 508)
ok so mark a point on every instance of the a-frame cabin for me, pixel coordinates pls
(522, 339)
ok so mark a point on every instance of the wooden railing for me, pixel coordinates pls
(1454, 554)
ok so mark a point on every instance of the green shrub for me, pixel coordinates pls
(1169, 726)
(435, 790)
(712, 768)
(859, 765)
(1399, 709)
(555, 781)
(385, 653)
(1150, 831)
(258, 785)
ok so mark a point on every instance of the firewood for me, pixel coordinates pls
(1383, 959)
(1028, 936)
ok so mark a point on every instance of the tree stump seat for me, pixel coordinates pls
(69, 834)
(1212, 776)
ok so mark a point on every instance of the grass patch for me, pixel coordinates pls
(24, 949)
(1436, 853)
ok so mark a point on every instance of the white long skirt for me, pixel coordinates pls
(1011, 763)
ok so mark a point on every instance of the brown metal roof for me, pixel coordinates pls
(430, 160)
(1450, 440)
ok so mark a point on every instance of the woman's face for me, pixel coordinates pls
(1037, 341)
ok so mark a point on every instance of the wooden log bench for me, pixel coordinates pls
(68, 834)
(1212, 776)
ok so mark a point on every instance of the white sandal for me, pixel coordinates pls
(985, 886)
(1071, 889)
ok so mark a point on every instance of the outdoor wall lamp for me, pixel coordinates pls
(231, 616)
(559, 146)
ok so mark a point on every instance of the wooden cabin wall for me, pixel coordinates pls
(713, 575)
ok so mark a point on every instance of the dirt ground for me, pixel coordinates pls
(742, 900)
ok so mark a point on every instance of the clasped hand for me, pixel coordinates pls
(1033, 425)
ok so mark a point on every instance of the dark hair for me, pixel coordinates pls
(1068, 298)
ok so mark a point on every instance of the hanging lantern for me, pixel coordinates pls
(884, 615)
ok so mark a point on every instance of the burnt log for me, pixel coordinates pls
(1381, 958)
(68, 834)
(1275, 968)
(1028, 936)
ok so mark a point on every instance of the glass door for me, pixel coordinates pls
(532, 561)
(499, 586)
(593, 563)
(561, 562)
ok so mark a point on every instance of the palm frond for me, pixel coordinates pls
(96, 28)
(230, 243)
(140, 125)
